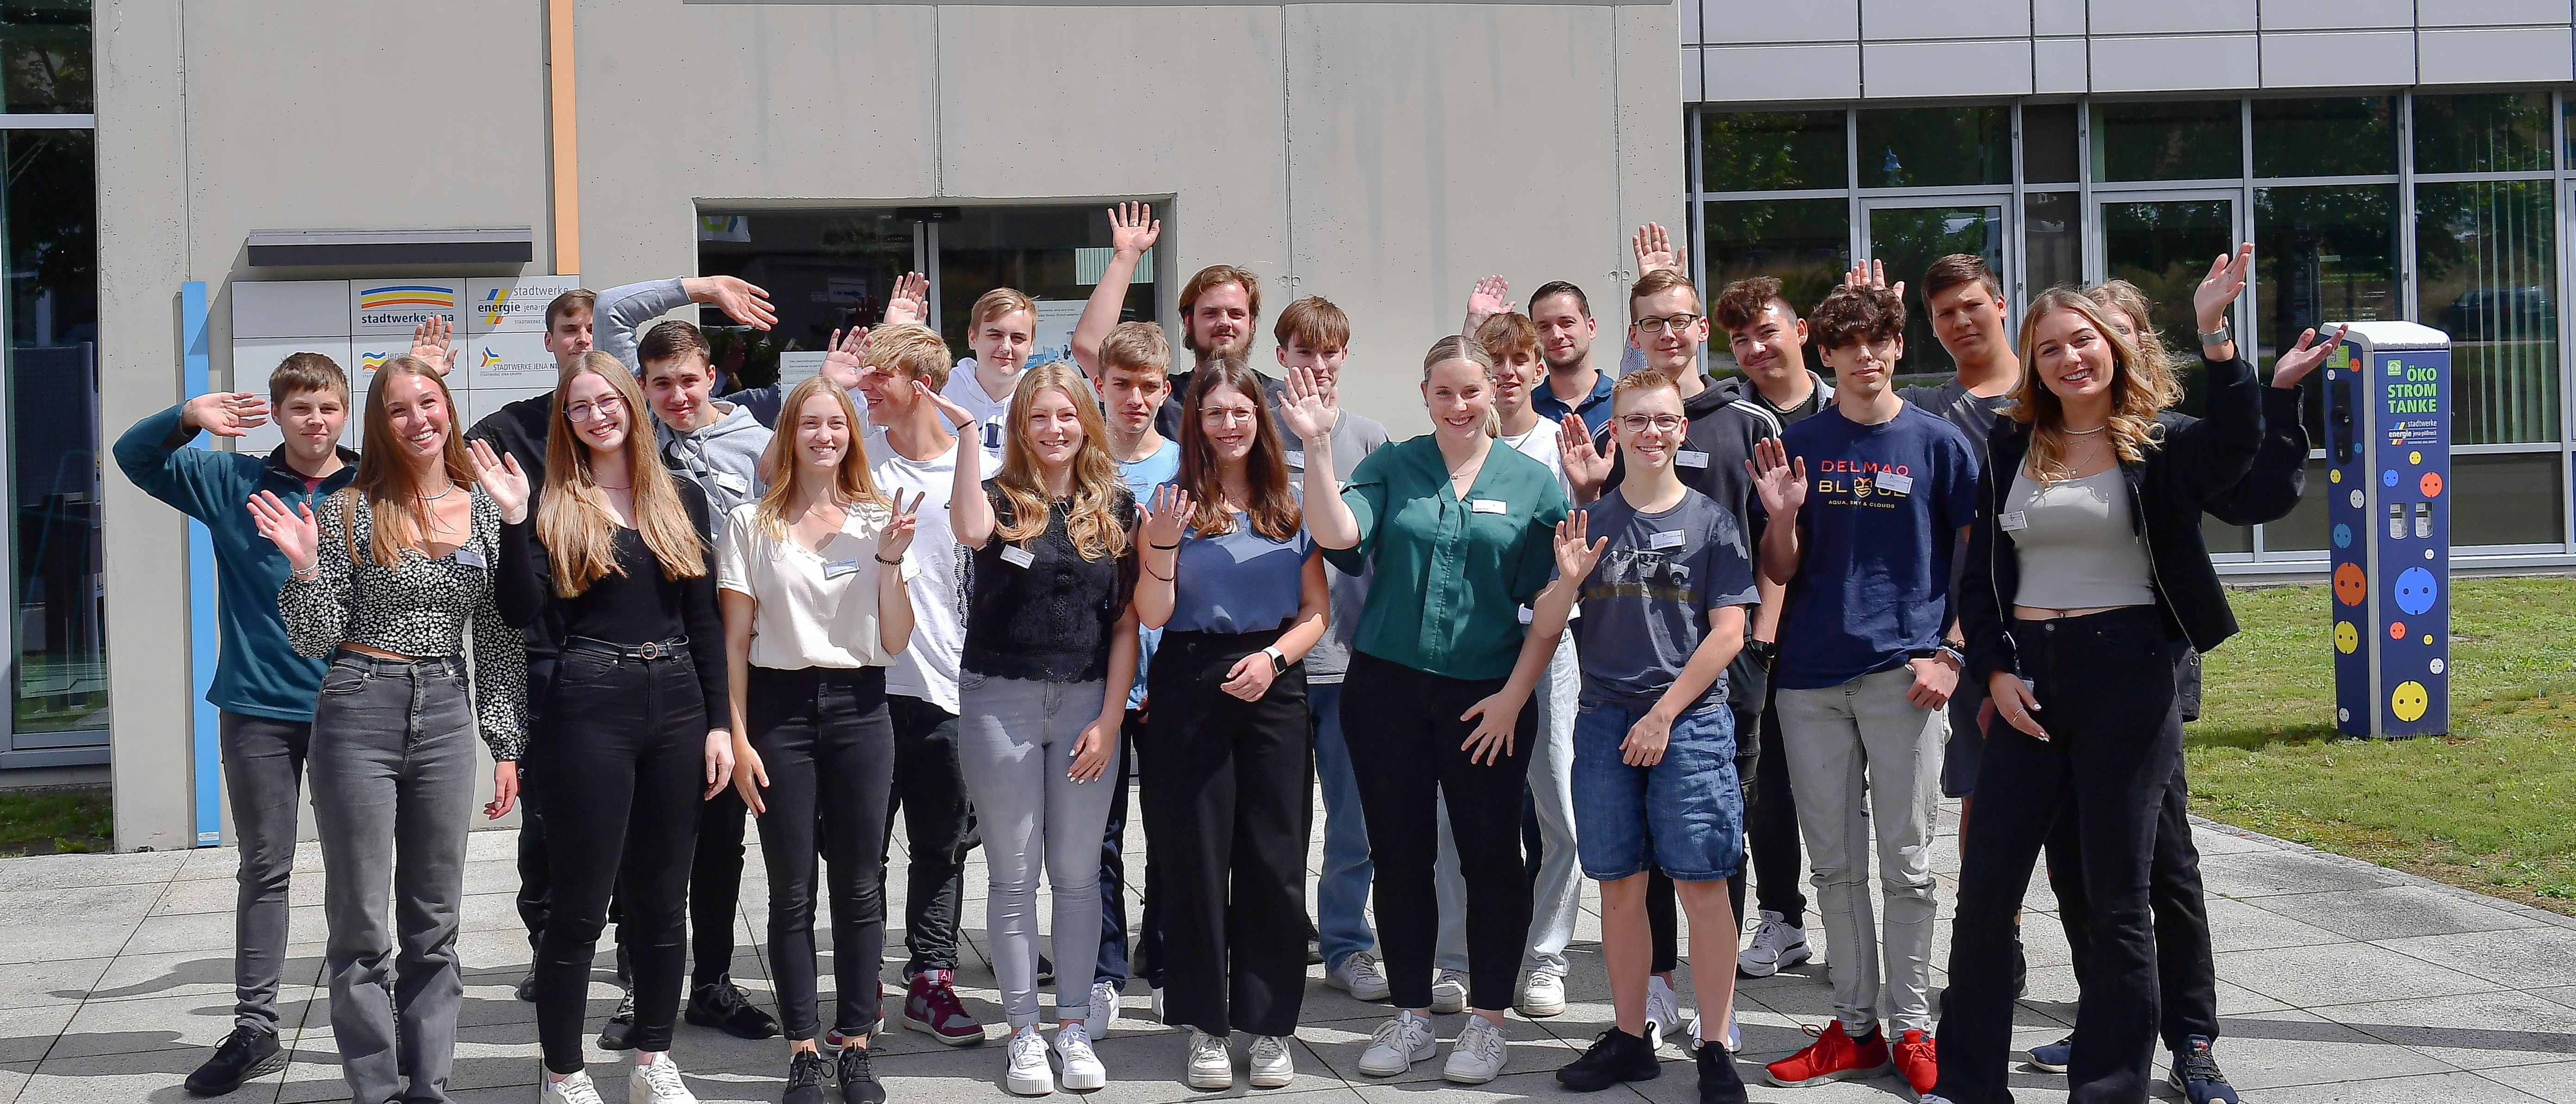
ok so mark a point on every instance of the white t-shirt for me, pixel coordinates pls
(992, 415)
(1540, 444)
(810, 608)
(927, 669)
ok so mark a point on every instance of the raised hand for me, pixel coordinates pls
(225, 413)
(910, 301)
(1574, 557)
(499, 476)
(842, 359)
(292, 531)
(1306, 411)
(901, 528)
(433, 342)
(2297, 362)
(1655, 250)
(1871, 275)
(1167, 517)
(957, 415)
(1585, 466)
(1489, 298)
(741, 301)
(2226, 281)
(1780, 482)
(1133, 228)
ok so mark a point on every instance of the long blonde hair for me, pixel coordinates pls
(2140, 389)
(386, 479)
(1092, 519)
(852, 484)
(573, 518)
(2126, 298)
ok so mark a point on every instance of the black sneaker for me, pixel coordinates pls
(246, 1053)
(619, 1032)
(1615, 1056)
(1719, 1083)
(2021, 968)
(724, 1006)
(2195, 1074)
(807, 1073)
(858, 1079)
(1046, 970)
(527, 990)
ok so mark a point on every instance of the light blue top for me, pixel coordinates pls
(1238, 582)
(1142, 477)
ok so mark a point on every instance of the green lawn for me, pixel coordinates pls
(54, 821)
(2485, 808)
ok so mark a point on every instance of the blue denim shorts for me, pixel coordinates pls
(1684, 815)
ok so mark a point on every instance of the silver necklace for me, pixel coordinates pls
(439, 495)
(2084, 432)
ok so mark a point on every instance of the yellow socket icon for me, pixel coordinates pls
(2347, 637)
(2409, 701)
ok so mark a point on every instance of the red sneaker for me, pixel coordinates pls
(1832, 1057)
(1916, 1061)
(932, 1006)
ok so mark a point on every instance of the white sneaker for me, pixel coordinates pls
(1777, 945)
(575, 1089)
(1542, 995)
(1359, 976)
(1663, 1010)
(1449, 991)
(1211, 1065)
(1272, 1066)
(658, 1083)
(1477, 1055)
(1398, 1044)
(1104, 1007)
(1158, 1006)
(1028, 1073)
(1082, 1068)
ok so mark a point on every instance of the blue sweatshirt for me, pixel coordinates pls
(257, 673)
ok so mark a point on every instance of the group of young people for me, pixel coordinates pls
(1670, 625)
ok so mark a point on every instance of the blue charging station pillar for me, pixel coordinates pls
(2388, 456)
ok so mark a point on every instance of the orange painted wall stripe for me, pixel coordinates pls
(565, 165)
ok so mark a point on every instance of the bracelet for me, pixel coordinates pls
(897, 562)
(1163, 547)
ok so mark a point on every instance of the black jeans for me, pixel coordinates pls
(1116, 965)
(536, 883)
(626, 754)
(826, 740)
(2186, 976)
(1229, 804)
(715, 887)
(938, 822)
(1410, 757)
(1771, 825)
(2106, 691)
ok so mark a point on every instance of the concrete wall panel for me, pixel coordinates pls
(2057, 17)
(2494, 55)
(2059, 66)
(2120, 17)
(2334, 58)
(1725, 22)
(2317, 15)
(2487, 13)
(2175, 62)
(1989, 67)
(1885, 19)
(1756, 73)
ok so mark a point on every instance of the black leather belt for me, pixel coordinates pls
(675, 648)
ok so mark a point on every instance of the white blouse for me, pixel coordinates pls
(809, 608)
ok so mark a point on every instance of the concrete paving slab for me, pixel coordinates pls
(2270, 1050)
(2473, 1031)
(2462, 1088)
(2340, 973)
(2393, 912)
(37, 984)
(2540, 957)
(2270, 873)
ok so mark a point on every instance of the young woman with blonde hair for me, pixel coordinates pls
(814, 613)
(1042, 690)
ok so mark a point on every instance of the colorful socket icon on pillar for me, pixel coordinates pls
(2350, 585)
(2409, 701)
(2347, 637)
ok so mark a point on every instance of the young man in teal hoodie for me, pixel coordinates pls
(263, 690)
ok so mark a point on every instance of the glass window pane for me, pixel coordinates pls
(2513, 498)
(2487, 259)
(824, 271)
(44, 56)
(2321, 255)
(2346, 136)
(1771, 151)
(1033, 249)
(2052, 229)
(2164, 246)
(1934, 146)
(2498, 132)
(2197, 140)
(2048, 144)
(2221, 537)
(1804, 243)
(2302, 535)
(1908, 240)
(60, 671)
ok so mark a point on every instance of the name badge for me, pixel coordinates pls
(732, 482)
(838, 568)
(1486, 505)
(1893, 483)
(1528, 615)
(465, 554)
(1017, 556)
(1688, 459)
(1297, 460)
(2014, 521)
(1669, 538)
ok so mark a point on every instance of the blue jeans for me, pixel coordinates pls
(1684, 815)
(1342, 897)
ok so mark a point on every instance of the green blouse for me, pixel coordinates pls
(1451, 576)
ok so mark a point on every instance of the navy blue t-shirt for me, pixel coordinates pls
(1874, 580)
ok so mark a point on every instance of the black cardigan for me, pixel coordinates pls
(2196, 460)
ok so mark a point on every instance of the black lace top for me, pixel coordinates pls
(417, 607)
(1048, 619)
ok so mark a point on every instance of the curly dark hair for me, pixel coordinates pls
(1852, 315)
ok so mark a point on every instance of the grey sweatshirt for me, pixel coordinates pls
(624, 309)
(723, 459)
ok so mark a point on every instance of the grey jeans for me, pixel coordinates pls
(1862, 741)
(1015, 742)
(264, 777)
(393, 767)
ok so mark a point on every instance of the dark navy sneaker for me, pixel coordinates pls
(246, 1053)
(1615, 1056)
(858, 1079)
(1719, 1082)
(2052, 1057)
(2195, 1074)
(724, 1006)
(807, 1074)
(619, 1032)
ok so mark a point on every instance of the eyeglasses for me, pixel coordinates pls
(1639, 423)
(1671, 322)
(606, 407)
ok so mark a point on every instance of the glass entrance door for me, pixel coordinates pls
(2163, 242)
(1907, 236)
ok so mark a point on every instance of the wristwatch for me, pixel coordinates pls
(1278, 661)
(2219, 336)
(1762, 650)
(1944, 652)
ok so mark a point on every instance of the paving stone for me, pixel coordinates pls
(2393, 912)
(2341, 973)
(2455, 1086)
(2472, 1031)
(2271, 872)
(2271, 1050)
(2532, 958)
